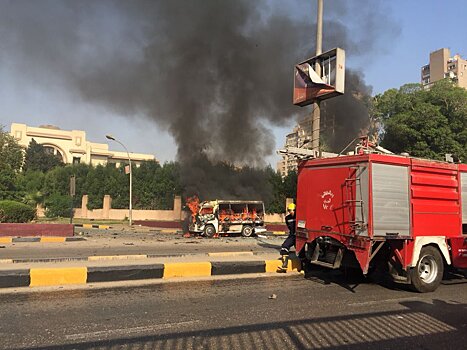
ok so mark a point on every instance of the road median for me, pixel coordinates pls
(175, 268)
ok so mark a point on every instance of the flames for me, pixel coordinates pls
(193, 204)
(225, 215)
(229, 215)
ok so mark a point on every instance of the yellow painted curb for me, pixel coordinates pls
(87, 225)
(230, 254)
(6, 239)
(52, 239)
(104, 227)
(6, 261)
(116, 257)
(273, 265)
(58, 276)
(194, 269)
(279, 233)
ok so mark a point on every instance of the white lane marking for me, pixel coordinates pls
(126, 331)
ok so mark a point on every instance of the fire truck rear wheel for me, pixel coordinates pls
(209, 231)
(426, 276)
(247, 231)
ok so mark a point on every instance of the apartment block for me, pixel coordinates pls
(442, 66)
(299, 137)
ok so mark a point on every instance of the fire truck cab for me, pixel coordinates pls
(229, 216)
(406, 214)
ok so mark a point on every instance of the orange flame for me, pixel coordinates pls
(193, 204)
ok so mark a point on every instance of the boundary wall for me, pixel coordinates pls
(108, 213)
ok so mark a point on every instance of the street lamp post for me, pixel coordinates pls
(110, 137)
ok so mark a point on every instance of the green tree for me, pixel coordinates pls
(11, 153)
(424, 123)
(277, 201)
(8, 190)
(108, 179)
(57, 205)
(29, 185)
(154, 186)
(290, 185)
(56, 182)
(38, 159)
(11, 160)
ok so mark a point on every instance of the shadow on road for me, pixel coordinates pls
(438, 324)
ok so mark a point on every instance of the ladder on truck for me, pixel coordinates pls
(352, 186)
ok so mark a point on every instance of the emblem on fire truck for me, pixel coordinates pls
(327, 197)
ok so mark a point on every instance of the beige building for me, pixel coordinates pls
(297, 138)
(73, 146)
(442, 66)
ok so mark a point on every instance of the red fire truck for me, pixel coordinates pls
(406, 214)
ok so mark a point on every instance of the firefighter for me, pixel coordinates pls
(290, 240)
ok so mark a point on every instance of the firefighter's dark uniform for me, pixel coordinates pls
(290, 240)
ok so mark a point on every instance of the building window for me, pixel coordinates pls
(55, 152)
(49, 150)
(76, 160)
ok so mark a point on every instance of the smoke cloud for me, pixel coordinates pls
(216, 74)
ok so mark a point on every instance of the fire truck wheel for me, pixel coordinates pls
(247, 231)
(209, 231)
(426, 276)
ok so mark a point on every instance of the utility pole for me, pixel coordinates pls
(72, 195)
(316, 114)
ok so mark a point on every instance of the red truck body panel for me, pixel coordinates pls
(435, 199)
(360, 199)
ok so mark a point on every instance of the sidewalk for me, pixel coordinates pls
(121, 242)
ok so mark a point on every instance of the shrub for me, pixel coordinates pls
(16, 212)
(57, 205)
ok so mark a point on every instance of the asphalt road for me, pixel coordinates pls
(322, 312)
(137, 243)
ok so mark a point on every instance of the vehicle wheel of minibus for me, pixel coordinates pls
(426, 276)
(247, 231)
(209, 231)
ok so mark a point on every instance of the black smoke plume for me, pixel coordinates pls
(216, 74)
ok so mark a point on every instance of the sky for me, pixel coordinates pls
(413, 31)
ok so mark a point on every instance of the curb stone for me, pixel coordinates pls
(101, 227)
(118, 257)
(40, 239)
(35, 277)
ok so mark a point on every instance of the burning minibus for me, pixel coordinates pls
(211, 218)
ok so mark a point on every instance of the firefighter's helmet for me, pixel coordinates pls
(291, 206)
